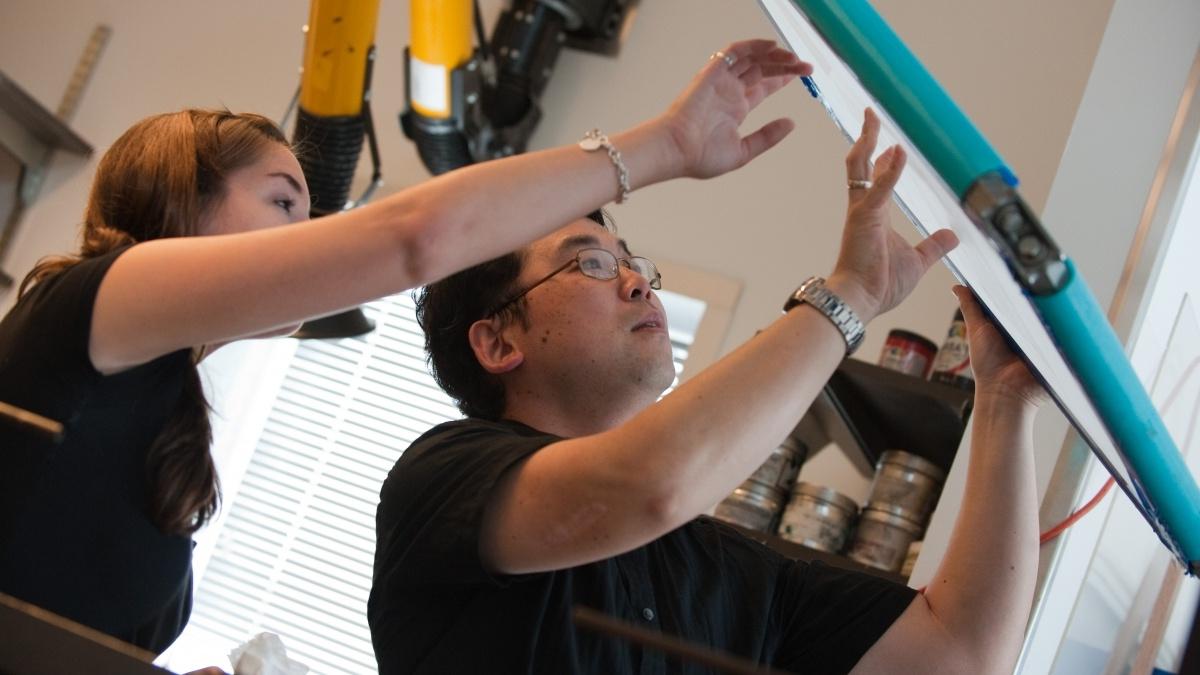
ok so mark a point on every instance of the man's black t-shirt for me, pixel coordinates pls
(75, 537)
(434, 608)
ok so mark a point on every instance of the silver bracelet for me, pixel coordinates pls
(593, 141)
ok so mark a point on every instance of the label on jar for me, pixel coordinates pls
(907, 353)
(953, 362)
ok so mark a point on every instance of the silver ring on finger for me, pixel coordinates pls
(729, 59)
(858, 184)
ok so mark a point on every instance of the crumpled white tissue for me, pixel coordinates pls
(264, 654)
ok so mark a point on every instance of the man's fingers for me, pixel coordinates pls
(936, 245)
(972, 312)
(745, 49)
(752, 76)
(887, 174)
(767, 87)
(788, 70)
(765, 138)
(858, 160)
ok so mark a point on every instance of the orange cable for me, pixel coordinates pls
(1081, 512)
(1070, 520)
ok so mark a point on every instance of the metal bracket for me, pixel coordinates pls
(1009, 223)
(31, 134)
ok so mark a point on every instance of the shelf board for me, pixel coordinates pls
(791, 549)
(29, 130)
(866, 409)
(38, 642)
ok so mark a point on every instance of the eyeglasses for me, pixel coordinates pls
(596, 263)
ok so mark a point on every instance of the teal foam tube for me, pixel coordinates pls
(1082, 332)
(918, 104)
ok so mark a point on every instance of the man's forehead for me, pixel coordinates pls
(584, 233)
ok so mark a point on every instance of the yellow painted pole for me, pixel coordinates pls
(441, 42)
(340, 33)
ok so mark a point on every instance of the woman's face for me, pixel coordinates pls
(267, 193)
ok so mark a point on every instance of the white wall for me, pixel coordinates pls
(1017, 68)
(1122, 131)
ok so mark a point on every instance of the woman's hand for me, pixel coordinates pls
(876, 267)
(703, 122)
(998, 372)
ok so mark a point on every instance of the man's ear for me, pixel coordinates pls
(495, 352)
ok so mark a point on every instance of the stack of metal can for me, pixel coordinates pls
(818, 517)
(758, 501)
(903, 494)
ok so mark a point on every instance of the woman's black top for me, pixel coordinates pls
(75, 537)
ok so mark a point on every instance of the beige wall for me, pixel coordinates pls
(1018, 68)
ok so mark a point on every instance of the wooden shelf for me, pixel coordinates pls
(38, 642)
(30, 130)
(29, 134)
(796, 551)
(866, 409)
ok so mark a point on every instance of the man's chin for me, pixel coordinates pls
(660, 376)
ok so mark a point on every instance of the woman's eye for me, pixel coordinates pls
(286, 204)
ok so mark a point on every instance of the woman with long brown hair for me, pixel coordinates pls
(182, 253)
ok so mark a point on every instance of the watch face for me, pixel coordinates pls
(590, 143)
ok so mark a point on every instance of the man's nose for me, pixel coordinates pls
(633, 285)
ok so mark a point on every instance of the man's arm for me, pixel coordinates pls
(972, 617)
(594, 497)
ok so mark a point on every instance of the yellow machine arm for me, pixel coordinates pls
(441, 43)
(468, 104)
(333, 119)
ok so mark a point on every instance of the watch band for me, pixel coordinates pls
(813, 292)
(596, 139)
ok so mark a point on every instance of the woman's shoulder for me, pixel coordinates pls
(80, 275)
(54, 314)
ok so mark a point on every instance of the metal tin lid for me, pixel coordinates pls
(911, 462)
(889, 519)
(833, 497)
(897, 510)
(925, 342)
(765, 499)
(759, 488)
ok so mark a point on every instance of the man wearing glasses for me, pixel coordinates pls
(570, 483)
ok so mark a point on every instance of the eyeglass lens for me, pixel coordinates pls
(601, 264)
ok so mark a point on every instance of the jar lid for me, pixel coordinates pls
(896, 510)
(764, 489)
(911, 462)
(889, 519)
(929, 345)
(825, 494)
(767, 499)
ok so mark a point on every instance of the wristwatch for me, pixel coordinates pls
(813, 292)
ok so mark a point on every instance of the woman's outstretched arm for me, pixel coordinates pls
(170, 294)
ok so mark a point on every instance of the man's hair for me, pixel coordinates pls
(446, 309)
